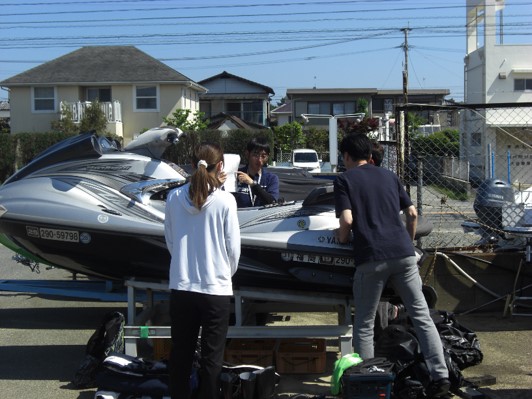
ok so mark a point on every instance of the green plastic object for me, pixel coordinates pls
(144, 331)
(340, 366)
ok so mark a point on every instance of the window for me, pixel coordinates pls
(102, 94)
(388, 105)
(146, 98)
(249, 111)
(313, 108)
(323, 107)
(205, 107)
(234, 109)
(44, 99)
(338, 108)
(476, 139)
(522, 84)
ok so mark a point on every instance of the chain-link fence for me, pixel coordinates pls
(473, 174)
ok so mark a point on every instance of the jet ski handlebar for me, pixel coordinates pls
(154, 142)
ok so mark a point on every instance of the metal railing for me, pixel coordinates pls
(112, 110)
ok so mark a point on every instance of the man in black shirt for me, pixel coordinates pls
(368, 201)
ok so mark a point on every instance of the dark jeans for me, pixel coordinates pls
(189, 311)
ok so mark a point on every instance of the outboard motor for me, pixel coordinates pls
(492, 195)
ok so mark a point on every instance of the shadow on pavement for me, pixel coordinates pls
(71, 318)
(47, 362)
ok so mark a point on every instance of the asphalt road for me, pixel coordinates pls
(43, 339)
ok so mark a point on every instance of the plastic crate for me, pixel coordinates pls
(367, 386)
(258, 352)
(300, 356)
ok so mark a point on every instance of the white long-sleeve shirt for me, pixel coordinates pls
(204, 244)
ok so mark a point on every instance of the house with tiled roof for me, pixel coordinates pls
(234, 95)
(225, 122)
(282, 114)
(135, 90)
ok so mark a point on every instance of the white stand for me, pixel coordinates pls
(343, 332)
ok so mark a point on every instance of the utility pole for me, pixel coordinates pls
(402, 138)
(405, 70)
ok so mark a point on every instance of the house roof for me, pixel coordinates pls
(227, 75)
(291, 92)
(388, 92)
(100, 64)
(285, 108)
(219, 119)
(432, 92)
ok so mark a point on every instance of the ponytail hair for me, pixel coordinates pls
(203, 181)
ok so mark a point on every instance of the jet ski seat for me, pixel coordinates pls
(320, 196)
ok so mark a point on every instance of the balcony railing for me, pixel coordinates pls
(112, 110)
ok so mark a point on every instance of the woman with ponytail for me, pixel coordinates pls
(203, 237)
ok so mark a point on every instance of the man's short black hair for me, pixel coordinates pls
(258, 144)
(377, 153)
(357, 145)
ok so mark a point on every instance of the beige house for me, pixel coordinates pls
(134, 89)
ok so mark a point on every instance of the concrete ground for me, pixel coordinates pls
(43, 339)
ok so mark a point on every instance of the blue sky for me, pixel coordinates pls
(278, 43)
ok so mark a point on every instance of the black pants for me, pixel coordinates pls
(188, 312)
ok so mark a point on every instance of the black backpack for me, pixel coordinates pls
(108, 338)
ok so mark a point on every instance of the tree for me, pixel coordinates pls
(414, 122)
(94, 119)
(446, 142)
(362, 105)
(65, 124)
(181, 119)
(4, 125)
(318, 139)
(289, 136)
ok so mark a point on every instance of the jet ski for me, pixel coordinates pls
(89, 207)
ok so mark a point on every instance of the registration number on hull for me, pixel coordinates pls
(53, 234)
(325, 260)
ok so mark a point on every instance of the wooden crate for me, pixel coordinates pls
(258, 352)
(301, 356)
(161, 348)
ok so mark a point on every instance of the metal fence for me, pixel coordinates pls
(474, 175)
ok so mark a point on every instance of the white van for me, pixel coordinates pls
(307, 159)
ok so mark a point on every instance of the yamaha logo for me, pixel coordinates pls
(302, 224)
(85, 238)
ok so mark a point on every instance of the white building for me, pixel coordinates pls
(496, 73)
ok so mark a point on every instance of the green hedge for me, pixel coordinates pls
(16, 150)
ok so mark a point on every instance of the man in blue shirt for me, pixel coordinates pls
(255, 186)
(368, 201)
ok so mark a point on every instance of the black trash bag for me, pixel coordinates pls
(399, 343)
(461, 342)
(107, 338)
